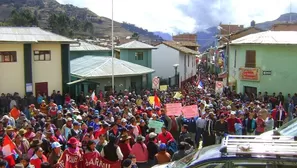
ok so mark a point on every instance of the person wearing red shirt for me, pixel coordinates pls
(165, 136)
(125, 146)
(231, 121)
(102, 130)
(38, 158)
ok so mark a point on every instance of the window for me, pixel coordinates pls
(250, 59)
(188, 60)
(8, 56)
(235, 55)
(139, 56)
(42, 55)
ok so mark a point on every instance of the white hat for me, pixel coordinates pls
(233, 112)
(78, 117)
(228, 107)
(152, 135)
(69, 119)
(123, 120)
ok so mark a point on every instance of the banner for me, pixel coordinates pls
(156, 124)
(152, 100)
(190, 111)
(163, 87)
(177, 95)
(94, 160)
(219, 87)
(173, 109)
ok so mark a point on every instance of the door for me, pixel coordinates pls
(251, 91)
(41, 88)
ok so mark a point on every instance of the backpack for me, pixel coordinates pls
(171, 147)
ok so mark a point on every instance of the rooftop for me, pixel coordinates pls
(268, 37)
(135, 45)
(178, 46)
(100, 67)
(84, 46)
(30, 35)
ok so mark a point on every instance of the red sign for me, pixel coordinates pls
(173, 109)
(94, 160)
(251, 74)
(190, 111)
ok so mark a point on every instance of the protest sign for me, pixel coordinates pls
(94, 160)
(156, 124)
(152, 100)
(178, 95)
(163, 87)
(219, 87)
(190, 111)
(173, 109)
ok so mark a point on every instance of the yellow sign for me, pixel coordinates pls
(178, 95)
(152, 100)
(163, 87)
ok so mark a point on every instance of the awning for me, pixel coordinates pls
(76, 81)
(223, 74)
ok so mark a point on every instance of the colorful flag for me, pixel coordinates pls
(94, 97)
(157, 101)
(8, 146)
(200, 85)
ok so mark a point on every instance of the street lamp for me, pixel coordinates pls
(176, 75)
(112, 49)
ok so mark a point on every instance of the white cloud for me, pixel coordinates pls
(187, 15)
(154, 15)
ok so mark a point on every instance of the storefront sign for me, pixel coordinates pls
(249, 74)
(267, 72)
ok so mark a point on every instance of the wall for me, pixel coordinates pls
(280, 59)
(78, 54)
(185, 37)
(188, 69)
(48, 71)
(244, 33)
(163, 60)
(12, 73)
(284, 27)
(121, 83)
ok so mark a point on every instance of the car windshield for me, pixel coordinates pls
(183, 162)
(289, 129)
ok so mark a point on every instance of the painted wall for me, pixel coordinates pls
(280, 59)
(12, 73)
(129, 55)
(78, 54)
(187, 66)
(48, 71)
(163, 59)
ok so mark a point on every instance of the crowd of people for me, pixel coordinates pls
(58, 131)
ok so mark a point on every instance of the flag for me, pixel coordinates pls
(94, 97)
(8, 146)
(157, 101)
(200, 85)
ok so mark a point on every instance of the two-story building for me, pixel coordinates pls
(264, 61)
(138, 53)
(170, 55)
(33, 60)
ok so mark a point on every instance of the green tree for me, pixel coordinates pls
(135, 36)
(23, 18)
(88, 27)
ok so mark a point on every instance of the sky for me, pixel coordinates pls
(187, 16)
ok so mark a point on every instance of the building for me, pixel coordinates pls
(33, 61)
(138, 53)
(264, 61)
(83, 48)
(185, 37)
(170, 54)
(226, 30)
(95, 72)
(284, 27)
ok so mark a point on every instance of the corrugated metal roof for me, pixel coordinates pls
(178, 46)
(84, 46)
(100, 67)
(30, 34)
(268, 37)
(135, 45)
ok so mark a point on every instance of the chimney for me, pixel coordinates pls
(253, 23)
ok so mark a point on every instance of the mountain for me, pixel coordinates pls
(165, 36)
(66, 20)
(207, 39)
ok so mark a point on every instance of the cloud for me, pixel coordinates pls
(154, 15)
(209, 13)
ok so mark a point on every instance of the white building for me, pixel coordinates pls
(172, 53)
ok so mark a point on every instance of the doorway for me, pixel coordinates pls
(41, 88)
(251, 91)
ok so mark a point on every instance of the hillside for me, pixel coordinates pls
(67, 20)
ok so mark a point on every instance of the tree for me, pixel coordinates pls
(135, 36)
(88, 27)
(23, 18)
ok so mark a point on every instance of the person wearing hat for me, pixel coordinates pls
(127, 163)
(111, 151)
(139, 149)
(76, 131)
(34, 144)
(55, 154)
(91, 155)
(10, 131)
(38, 158)
(152, 148)
(43, 107)
(162, 156)
(59, 120)
(21, 143)
(25, 161)
(74, 152)
(231, 122)
(125, 145)
(67, 126)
